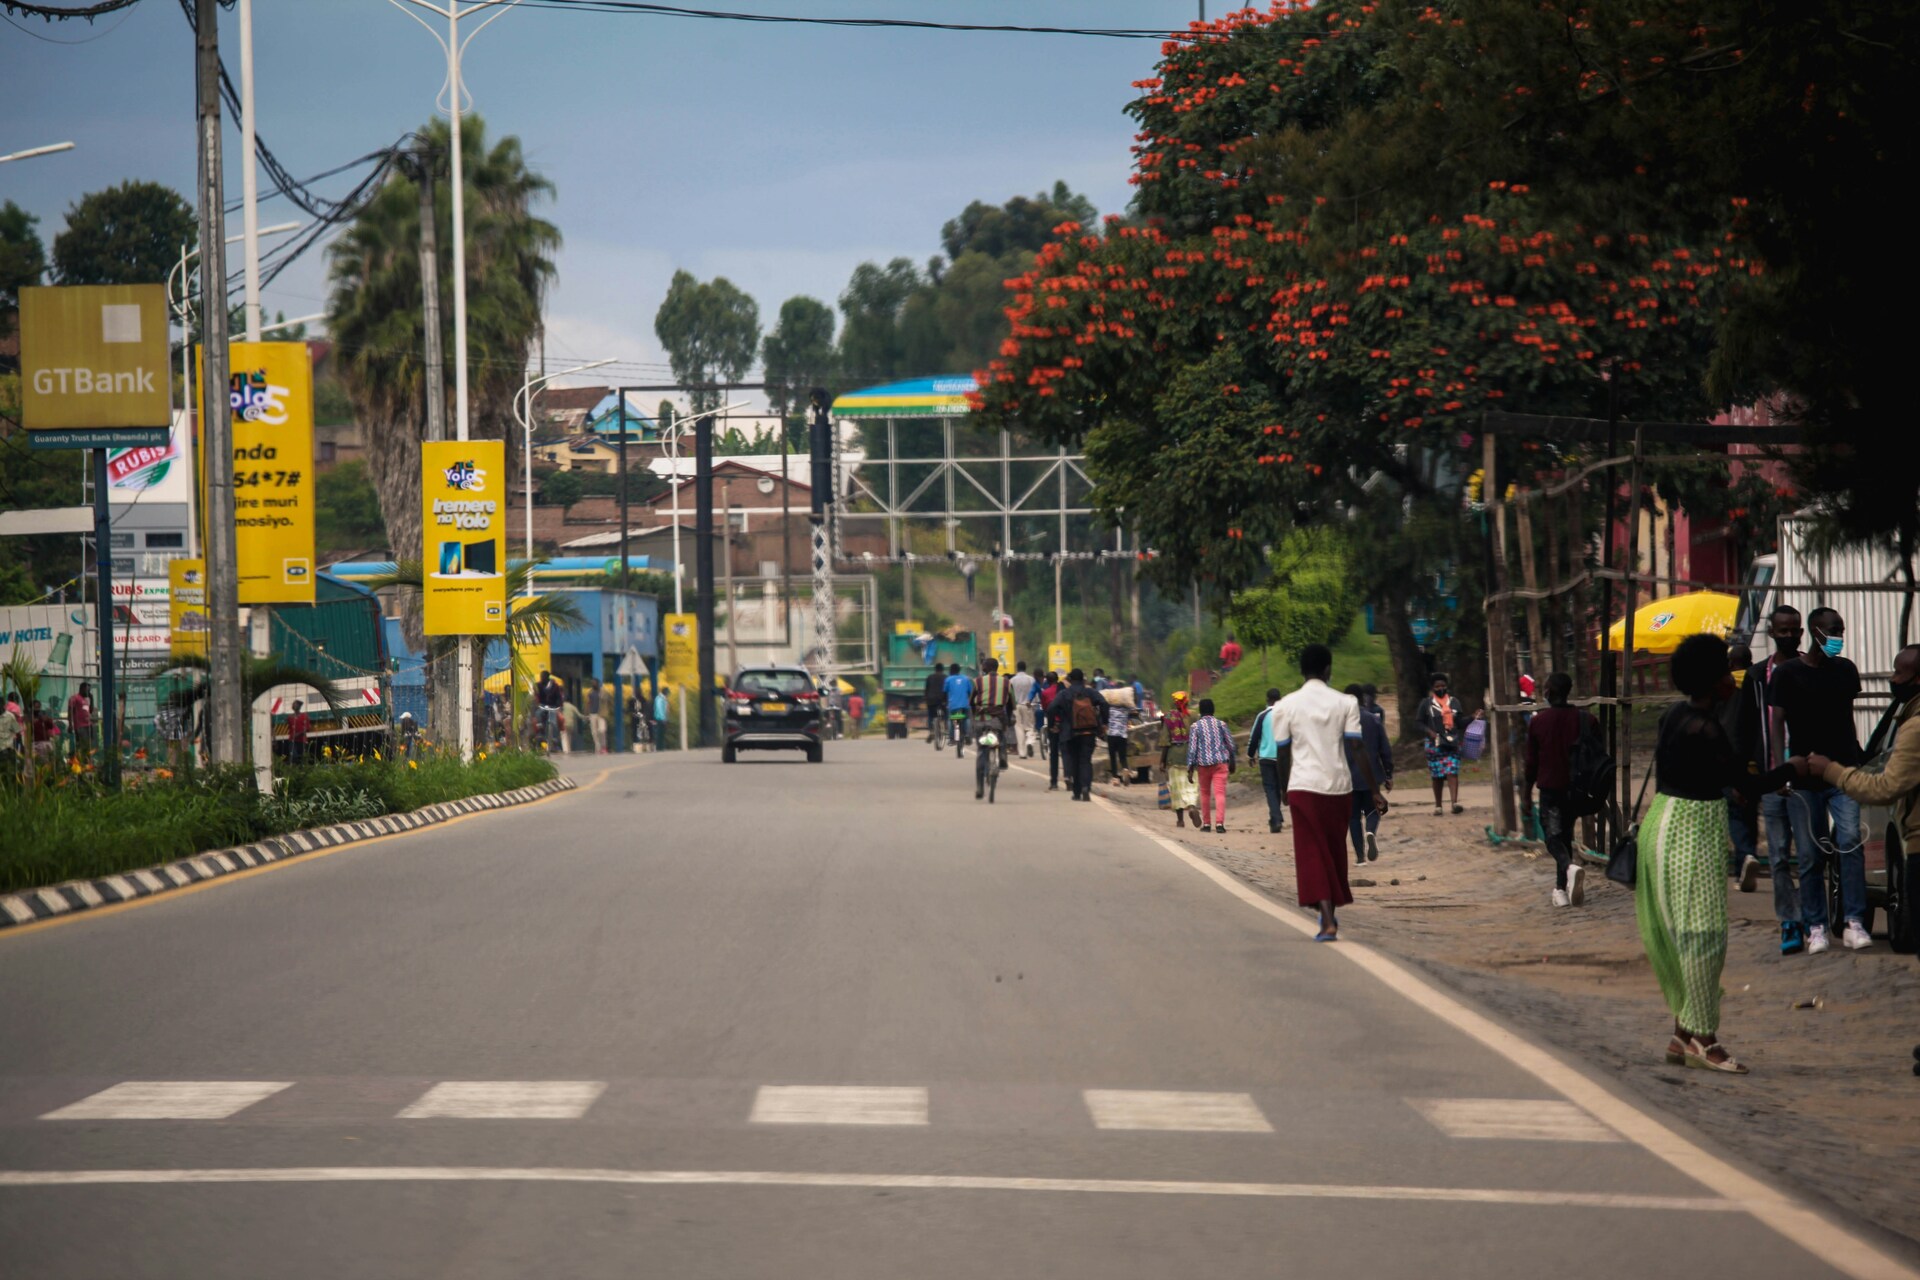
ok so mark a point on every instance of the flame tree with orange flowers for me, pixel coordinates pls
(1355, 230)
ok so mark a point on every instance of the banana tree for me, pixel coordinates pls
(531, 620)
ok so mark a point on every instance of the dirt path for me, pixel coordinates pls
(1832, 1105)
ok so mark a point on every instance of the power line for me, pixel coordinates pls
(635, 7)
(52, 13)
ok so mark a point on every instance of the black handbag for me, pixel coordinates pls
(1623, 863)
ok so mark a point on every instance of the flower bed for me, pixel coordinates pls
(68, 827)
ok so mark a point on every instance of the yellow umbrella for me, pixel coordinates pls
(845, 686)
(1660, 625)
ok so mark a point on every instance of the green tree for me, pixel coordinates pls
(733, 442)
(798, 355)
(129, 234)
(374, 312)
(871, 349)
(1309, 599)
(561, 489)
(23, 260)
(346, 509)
(711, 332)
(1021, 225)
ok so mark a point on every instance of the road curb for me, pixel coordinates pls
(73, 896)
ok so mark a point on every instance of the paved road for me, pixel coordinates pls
(780, 1020)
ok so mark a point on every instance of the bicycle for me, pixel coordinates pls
(959, 719)
(937, 726)
(986, 769)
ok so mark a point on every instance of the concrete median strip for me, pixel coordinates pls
(74, 896)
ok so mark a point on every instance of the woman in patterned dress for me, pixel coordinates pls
(1181, 790)
(1680, 892)
(1439, 719)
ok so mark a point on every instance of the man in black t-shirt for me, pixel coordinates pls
(1815, 698)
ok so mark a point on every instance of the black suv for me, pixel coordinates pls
(772, 709)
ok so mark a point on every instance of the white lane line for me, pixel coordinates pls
(838, 1104)
(505, 1100)
(1175, 1111)
(1512, 1118)
(170, 1100)
(864, 1181)
(1829, 1241)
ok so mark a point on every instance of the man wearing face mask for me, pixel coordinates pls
(1898, 783)
(1759, 731)
(1815, 695)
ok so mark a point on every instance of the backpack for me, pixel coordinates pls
(1086, 716)
(1590, 771)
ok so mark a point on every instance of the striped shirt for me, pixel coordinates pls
(1209, 741)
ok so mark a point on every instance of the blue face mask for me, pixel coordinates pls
(1832, 645)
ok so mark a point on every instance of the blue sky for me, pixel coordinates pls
(777, 156)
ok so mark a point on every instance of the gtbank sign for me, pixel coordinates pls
(94, 356)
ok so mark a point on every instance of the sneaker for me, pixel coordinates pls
(1749, 873)
(1273, 827)
(1792, 941)
(1817, 940)
(1576, 885)
(1373, 848)
(1560, 898)
(1856, 938)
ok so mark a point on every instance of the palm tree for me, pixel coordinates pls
(531, 620)
(375, 313)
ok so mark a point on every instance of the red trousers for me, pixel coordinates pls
(1213, 793)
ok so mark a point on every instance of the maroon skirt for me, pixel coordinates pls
(1320, 847)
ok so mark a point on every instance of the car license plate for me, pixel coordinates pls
(773, 708)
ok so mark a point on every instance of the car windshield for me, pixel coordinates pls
(778, 683)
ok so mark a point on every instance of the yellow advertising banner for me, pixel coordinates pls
(1060, 658)
(270, 392)
(680, 663)
(463, 559)
(94, 356)
(1000, 645)
(187, 607)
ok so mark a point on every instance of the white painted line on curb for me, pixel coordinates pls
(838, 1104)
(506, 1100)
(1522, 1119)
(1175, 1111)
(1828, 1241)
(866, 1181)
(170, 1100)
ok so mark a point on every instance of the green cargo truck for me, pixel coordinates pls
(903, 679)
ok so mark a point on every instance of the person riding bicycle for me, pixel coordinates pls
(960, 692)
(548, 698)
(993, 704)
(937, 706)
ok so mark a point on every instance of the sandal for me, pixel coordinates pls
(1436, 811)
(1327, 935)
(1676, 1052)
(1699, 1055)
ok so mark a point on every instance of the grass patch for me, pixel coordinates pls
(73, 829)
(1358, 659)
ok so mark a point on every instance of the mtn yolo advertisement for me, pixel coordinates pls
(271, 395)
(463, 553)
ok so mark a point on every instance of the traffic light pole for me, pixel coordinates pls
(820, 438)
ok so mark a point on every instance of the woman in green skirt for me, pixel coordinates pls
(1680, 894)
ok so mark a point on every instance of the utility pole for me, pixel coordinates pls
(249, 180)
(726, 572)
(624, 569)
(820, 439)
(227, 712)
(430, 298)
(703, 562)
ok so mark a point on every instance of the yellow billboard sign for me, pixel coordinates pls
(187, 622)
(680, 663)
(1000, 645)
(463, 559)
(270, 391)
(908, 627)
(94, 356)
(1060, 658)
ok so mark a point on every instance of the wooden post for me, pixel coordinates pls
(1499, 654)
(1539, 658)
(1577, 610)
(1627, 789)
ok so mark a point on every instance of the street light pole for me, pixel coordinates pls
(523, 410)
(31, 152)
(249, 180)
(454, 46)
